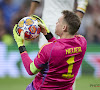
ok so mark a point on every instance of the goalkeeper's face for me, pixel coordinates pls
(60, 26)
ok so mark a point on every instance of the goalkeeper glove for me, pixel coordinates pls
(41, 21)
(19, 39)
(48, 35)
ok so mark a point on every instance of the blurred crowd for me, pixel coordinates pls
(11, 11)
(92, 23)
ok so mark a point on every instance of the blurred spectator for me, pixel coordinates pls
(93, 22)
(10, 14)
(9, 10)
(19, 2)
(2, 32)
(18, 16)
(2, 22)
(2, 25)
(4, 36)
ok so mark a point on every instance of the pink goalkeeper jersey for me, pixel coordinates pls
(59, 62)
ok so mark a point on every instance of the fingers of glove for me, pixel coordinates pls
(14, 30)
(38, 18)
(41, 25)
(16, 36)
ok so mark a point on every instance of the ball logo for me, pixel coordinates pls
(32, 29)
(29, 22)
(21, 23)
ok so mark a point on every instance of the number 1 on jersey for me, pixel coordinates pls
(70, 61)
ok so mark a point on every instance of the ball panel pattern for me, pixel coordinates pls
(30, 27)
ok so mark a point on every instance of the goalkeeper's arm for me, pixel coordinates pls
(28, 63)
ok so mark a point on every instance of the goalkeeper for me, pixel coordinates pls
(52, 11)
(57, 62)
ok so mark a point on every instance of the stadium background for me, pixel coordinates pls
(12, 73)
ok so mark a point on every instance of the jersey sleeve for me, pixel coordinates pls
(33, 68)
(36, 1)
(82, 5)
(26, 61)
(42, 58)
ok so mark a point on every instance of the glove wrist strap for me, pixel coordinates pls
(48, 36)
(22, 49)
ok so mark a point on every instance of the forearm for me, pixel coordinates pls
(80, 14)
(25, 59)
(33, 7)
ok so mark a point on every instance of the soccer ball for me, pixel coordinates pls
(30, 27)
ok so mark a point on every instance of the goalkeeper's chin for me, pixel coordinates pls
(57, 33)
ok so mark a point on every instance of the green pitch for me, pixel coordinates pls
(82, 83)
(87, 83)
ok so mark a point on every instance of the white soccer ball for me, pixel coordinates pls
(30, 27)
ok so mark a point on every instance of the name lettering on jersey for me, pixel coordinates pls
(73, 50)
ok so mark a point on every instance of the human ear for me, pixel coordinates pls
(65, 28)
